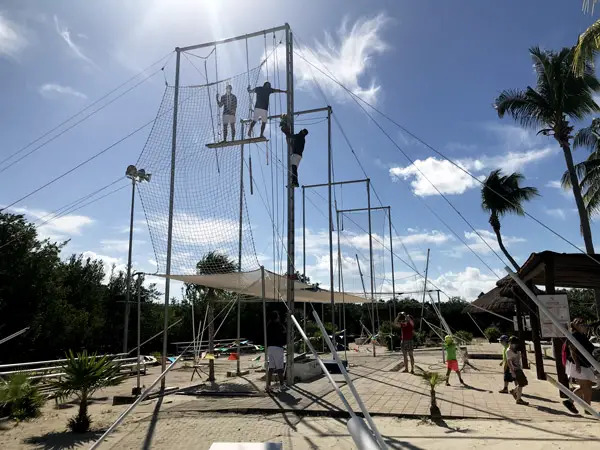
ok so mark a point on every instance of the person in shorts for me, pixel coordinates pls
(407, 326)
(261, 107)
(276, 340)
(515, 364)
(451, 361)
(229, 104)
(578, 367)
(508, 378)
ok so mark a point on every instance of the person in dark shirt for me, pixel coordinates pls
(578, 366)
(261, 107)
(276, 342)
(297, 142)
(229, 104)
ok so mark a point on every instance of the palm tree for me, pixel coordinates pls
(20, 398)
(558, 97)
(83, 375)
(210, 264)
(588, 171)
(501, 194)
(433, 380)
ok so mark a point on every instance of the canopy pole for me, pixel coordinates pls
(392, 260)
(170, 220)
(476, 324)
(341, 282)
(304, 255)
(240, 234)
(330, 214)
(371, 264)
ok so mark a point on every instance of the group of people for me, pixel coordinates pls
(228, 102)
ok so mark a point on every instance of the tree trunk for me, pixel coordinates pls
(211, 335)
(584, 220)
(495, 222)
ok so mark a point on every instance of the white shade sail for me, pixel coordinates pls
(250, 284)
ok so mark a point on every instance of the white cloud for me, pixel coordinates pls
(467, 284)
(447, 178)
(557, 212)
(52, 90)
(65, 34)
(118, 245)
(12, 39)
(484, 243)
(59, 228)
(347, 57)
(424, 237)
(109, 262)
(555, 184)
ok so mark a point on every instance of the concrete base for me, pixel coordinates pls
(233, 373)
(136, 391)
(123, 399)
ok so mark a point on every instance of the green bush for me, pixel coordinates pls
(492, 333)
(20, 398)
(463, 337)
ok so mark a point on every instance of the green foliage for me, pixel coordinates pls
(463, 337)
(431, 379)
(582, 304)
(419, 338)
(84, 375)
(20, 398)
(493, 333)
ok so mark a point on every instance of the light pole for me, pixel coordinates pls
(136, 176)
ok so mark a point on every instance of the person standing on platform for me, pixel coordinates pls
(261, 107)
(297, 142)
(407, 326)
(276, 340)
(229, 104)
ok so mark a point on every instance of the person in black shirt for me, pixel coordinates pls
(261, 107)
(297, 142)
(276, 340)
(578, 366)
(229, 104)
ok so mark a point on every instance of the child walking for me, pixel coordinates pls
(513, 359)
(451, 361)
(508, 378)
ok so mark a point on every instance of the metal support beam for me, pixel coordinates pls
(240, 235)
(392, 259)
(289, 71)
(373, 208)
(330, 213)
(285, 27)
(424, 290)
(170, 220)
(371, 266)
(334, 183)
(300, 113)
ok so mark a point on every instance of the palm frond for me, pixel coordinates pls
(432, 379)
(520, 106)
(587, 137)
(502, 194)
(588, 45)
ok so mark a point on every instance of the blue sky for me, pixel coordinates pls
(434, 67)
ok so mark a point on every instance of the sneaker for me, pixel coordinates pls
(503, 391)
(522, 402)
(447, 384)
(570, 406)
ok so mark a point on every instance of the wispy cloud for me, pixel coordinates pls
(52, 90)
(347, 56)
(65, 34)
(61, 228)
(12, 38)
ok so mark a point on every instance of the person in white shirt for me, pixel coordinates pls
(514, 361)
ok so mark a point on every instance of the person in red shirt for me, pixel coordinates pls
(407, 325)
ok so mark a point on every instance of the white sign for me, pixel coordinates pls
(559, 307)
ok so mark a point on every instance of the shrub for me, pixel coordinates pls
(20, 398)
(492, 333)
(463, 337)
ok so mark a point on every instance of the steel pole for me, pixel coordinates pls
(139, 332)
(170, 222)
(264, 308)
(424, 291)
(240, 235)
(392, 260)
(128, 290)
(371, 264)
(304, 256)
(329, 181)
(289, 63)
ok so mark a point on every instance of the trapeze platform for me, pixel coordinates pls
(253, 140)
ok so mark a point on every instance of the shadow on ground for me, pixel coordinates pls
(62, 440)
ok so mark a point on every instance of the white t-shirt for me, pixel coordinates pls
(514, 359)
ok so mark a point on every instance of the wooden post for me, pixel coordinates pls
(535, 337)
(521, 329)
(556, 342)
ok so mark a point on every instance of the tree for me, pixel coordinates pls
(559, 96)
(501, 194)
(433, 380)
(210, 264)
(588, 171)
(83, 375)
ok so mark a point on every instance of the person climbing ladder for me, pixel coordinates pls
(297, 142)
(261, 107)
(229, 104)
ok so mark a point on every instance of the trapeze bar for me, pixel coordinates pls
(232, 39)
(240, 142)
(335, 182)
(299, 113)
(373, 208)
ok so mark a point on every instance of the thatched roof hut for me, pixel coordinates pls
(492, 301)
